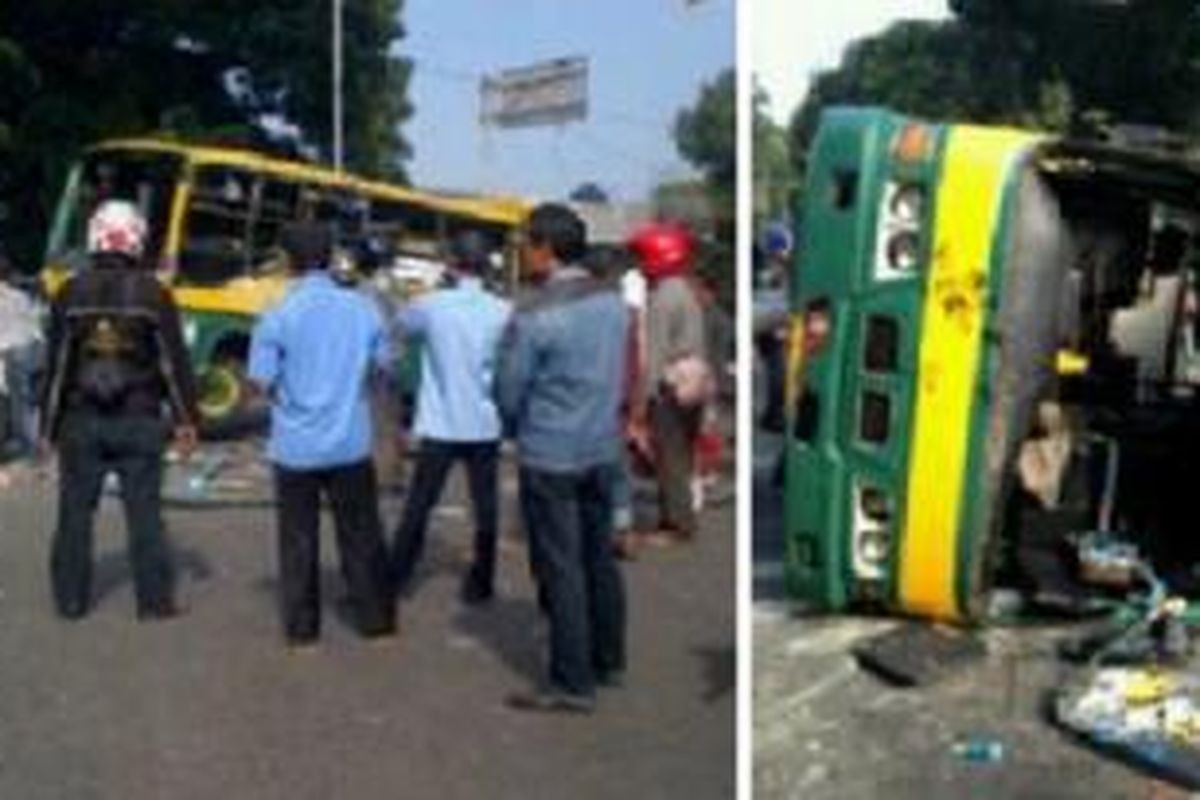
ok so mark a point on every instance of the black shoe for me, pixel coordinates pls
(553, 701)
(71, 613)
(474, 593)
(382, 637)
(611, 679)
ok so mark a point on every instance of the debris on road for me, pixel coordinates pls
(919, 654)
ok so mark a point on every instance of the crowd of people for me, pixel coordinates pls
(595, 372)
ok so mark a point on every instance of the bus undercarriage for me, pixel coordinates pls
(1099, 365)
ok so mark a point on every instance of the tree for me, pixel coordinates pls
(774, 177)
(74, 71)
(940, 70)
(1136, 61)
(706, 135)
(1051, 64)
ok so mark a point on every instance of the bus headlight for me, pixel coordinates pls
(903, 250)
(908, 204)
(872, 542)
(898, 237)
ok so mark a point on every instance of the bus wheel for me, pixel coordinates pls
(222, 390)
(228, 409)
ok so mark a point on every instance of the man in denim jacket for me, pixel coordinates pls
(560, 390)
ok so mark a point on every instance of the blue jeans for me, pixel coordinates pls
(21, 365)
(569, 520)
(622, 491)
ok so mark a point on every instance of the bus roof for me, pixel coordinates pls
(502, 210)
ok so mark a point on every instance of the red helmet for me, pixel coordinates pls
(663, 249)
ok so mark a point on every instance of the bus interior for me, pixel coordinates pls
(1099, 329)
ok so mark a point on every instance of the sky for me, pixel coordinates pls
(793, 39)
(648, 59)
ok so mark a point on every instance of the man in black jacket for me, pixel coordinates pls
(116, 354)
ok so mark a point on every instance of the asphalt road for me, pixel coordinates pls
(824, 729)
(212, 705)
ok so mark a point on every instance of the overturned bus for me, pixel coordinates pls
(991, 357)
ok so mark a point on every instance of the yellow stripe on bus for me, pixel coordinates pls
(244, 295)
(970, 196)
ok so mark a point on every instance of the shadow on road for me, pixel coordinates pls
(768, 539)
(718, 666)
(506, 626)
(112, 569)
(334, 599)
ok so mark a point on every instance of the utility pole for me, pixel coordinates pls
(337, 84)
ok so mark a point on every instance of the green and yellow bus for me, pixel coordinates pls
(955, 288)
(214, 216)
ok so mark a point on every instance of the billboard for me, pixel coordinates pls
(546, 93)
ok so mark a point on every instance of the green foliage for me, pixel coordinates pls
(1134, 61)
(774, 176)
(1051, 64)
(706, 135)
(940, 70)
(75, 71)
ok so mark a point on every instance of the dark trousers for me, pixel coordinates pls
(433, 464)
(352, 494)
(568, 517)
(90, 446)
(675, 429)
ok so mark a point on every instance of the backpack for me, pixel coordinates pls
(111, 344)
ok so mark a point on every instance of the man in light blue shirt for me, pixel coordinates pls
(456, 420)
(314, 354)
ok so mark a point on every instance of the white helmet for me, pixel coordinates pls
(117, 227)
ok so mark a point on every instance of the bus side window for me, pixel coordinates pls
(881, 350)
(874, 417)
(277, 204)
(216, 245)
(843, 189)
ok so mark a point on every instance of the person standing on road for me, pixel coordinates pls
(612, 263)
(20, 353)
(314, 355)
(560, 389)
(677, 376)
(456, 420)
(116, 353)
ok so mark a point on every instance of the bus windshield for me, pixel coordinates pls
(146, 179)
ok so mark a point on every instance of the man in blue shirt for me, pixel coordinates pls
(456, 419)
(561, 386)
(314, 354)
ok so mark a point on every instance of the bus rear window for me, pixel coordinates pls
(882, 346)
(843, 189)
(874, 420)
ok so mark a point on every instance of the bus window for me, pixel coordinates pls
(844, 189)
(277, 203)
(881, 352)
(874, 421)
(145, 179)
(217, 229)
(406, 219)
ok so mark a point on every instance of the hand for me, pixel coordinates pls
(185, 441)
(638, 434)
